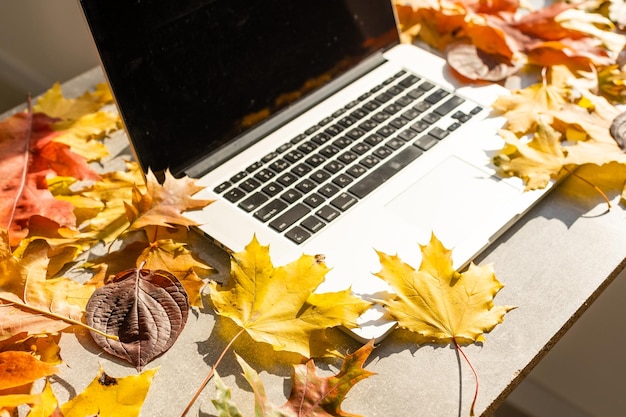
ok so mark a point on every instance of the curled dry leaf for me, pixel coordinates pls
(146, 309)
(474, 64)
(618, 130)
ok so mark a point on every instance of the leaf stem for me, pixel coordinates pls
(58, 317)
(211, 372)
(24, 172)
(595, 187)
(458, 347)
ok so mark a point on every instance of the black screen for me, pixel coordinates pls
(189, 76)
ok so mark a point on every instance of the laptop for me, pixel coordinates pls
(313, 128)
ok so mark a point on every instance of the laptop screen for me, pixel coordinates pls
(191, 76)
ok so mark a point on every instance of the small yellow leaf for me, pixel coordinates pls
(111, 397)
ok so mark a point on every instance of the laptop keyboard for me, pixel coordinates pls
(321, 173)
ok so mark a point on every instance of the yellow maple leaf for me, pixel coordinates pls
(30, 302)
(113, 397)
(522, 107)
(277, 305)
(55, 104)
(163, 204)
(536, 161)
(81, 134)
(437, 302)
(100, 208)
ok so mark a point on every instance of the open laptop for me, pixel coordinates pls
(312, 128)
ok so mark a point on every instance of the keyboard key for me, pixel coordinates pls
(369, 161)
(313, 224)
(360, 148)
(307, 147)
(272, 189)
(454, 126)
(321, 138)
(421, 106)
(476, 110)
(333, 130)
(282, 148)
(359, 113)
(253, 202)
(374, 139)
(279, 165)
(355, 133)
(222, 187)
(344, 201)
(395, 143)
(328, 190)
(250, 184)
(329, 151)
(409, 81)
(436, 96)
(384, 172)
(264, 175)
(270, 210)
(314, 200)
(386, 130)
(301, 170)
(291, 196)
(438, 133)
(381, 116)
(368, 125)
(348, 157)
(289, 217)
(328, 213)
(306, 186)
(269, 157)
(342, 180)
(334, 167)
(382, 152)
(287, 179)
(298, 235)
(342, 142)
(315, 160)
(371, 105)
(293, 156)
(298, 138)
(356, 170)
(320, 176)
(399, 122)
(347, 121)
(431, 118)
(407, 134)
(238, 176)
(254, 167)
(426, 86)
(450, 104)
(234, 195)
(425, 142)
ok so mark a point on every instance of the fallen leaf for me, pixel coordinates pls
(48, 404)
(438, 303)
(145, 309)
(277, 305)
(163, 204)
(536, 161)
(315, 395)
(55, 104)
(311, 394)
(112, 397)
(618, 130)
(21, 368)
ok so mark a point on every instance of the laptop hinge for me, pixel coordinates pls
(249, 138)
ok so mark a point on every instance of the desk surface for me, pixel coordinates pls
(554, 262)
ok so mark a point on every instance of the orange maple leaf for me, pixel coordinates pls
(163, 204)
